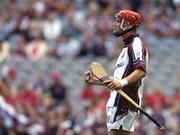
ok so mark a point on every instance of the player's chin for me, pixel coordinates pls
(116, 33)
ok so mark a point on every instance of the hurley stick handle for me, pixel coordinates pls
(122, 93)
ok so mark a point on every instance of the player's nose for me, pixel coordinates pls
(114, 25)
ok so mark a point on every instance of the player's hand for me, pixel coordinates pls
(113, 84)
(89, 78)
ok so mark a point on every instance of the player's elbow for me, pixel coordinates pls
(143, 74)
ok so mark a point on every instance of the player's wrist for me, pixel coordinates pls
(123, 82)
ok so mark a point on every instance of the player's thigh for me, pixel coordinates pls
(118, 132)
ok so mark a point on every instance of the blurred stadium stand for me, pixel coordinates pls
(163, 66)
(162, 70)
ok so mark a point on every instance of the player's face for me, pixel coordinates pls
(120, 25)
(117, 26)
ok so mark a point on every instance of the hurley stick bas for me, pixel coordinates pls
(100, 73)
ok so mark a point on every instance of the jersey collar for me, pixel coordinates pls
(129, 39)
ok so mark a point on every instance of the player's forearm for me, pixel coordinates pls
(135, 76)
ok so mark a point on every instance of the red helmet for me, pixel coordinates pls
(132, 17)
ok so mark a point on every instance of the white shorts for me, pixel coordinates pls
(126, 121)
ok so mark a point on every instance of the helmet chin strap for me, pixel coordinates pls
(123, 32)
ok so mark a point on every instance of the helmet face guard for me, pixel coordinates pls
(125, 25)
(121, 26)
(125, 21)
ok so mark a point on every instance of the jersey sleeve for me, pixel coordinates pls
(137, 54)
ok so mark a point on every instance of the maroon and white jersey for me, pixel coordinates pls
(133, 56)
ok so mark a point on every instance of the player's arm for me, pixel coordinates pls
(115, 84)
(135, 76)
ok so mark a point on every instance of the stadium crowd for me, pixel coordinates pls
(36, 29)
(77, 28)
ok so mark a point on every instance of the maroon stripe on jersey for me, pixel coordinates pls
(118, 97)
(137, 63)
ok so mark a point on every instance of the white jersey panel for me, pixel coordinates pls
(121, 65)
(137, 48)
